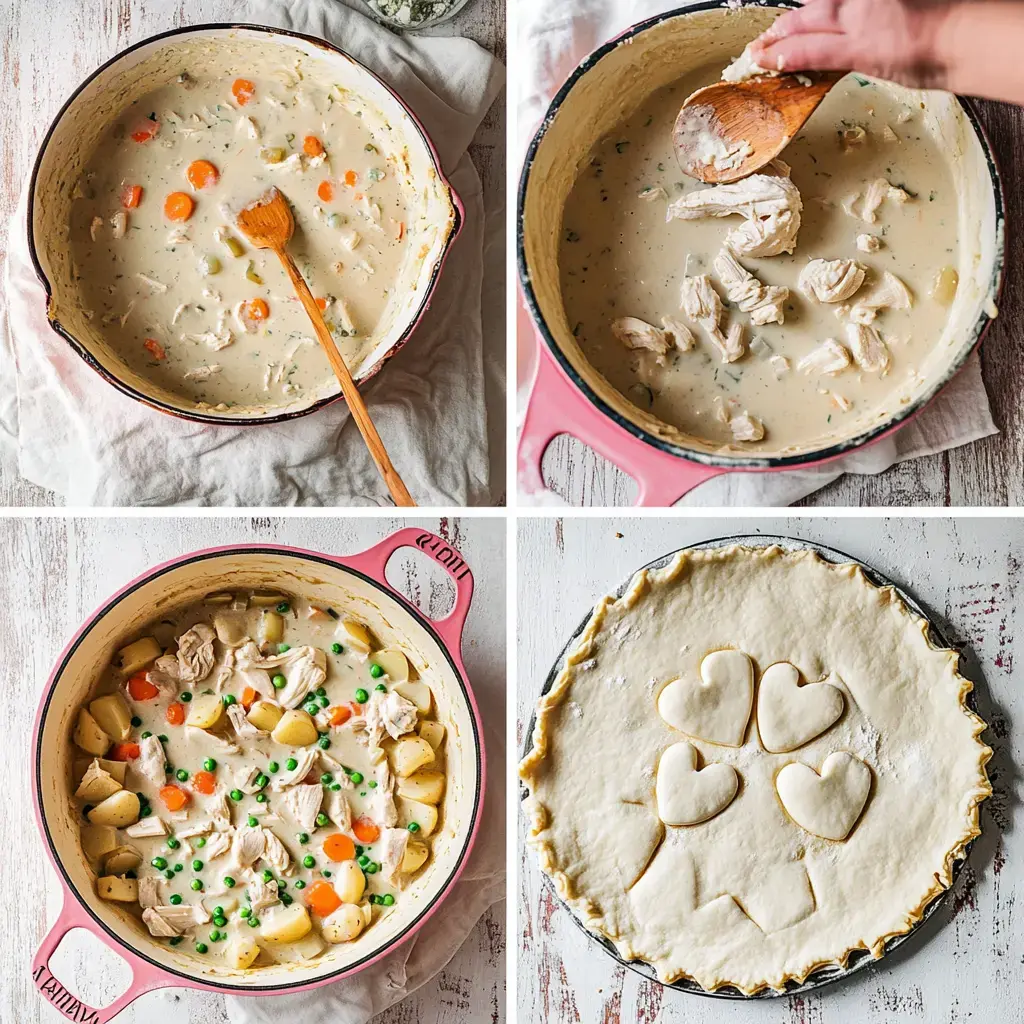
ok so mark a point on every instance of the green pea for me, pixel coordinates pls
(372, 784)
(253, 821)
(200, 842)
(321, 691)
(326, 779)
(376, 671)
(214, 935)
(362, 696)
(220, 921)
(236, 795)
(356, 777)
(324, 701)
(209, 764)
(311, 709)
(163, 739)
(300, 884)
(185, 697)
(174, 899)
(326, 874)
(169, 875)
(229, 881)
(291, 764)
(381, 688)
(173, 843)
(201, 947)
(178, 867)
(273, 767)
(196, 885)
(181, 775)
(283, 607)
(281, 885)
(261, 798)
(372, 869)
(262, 780)
(159, 863)
(177, 940)
(322, 819)
(324, 742)
(336, 648)
(360, 850)
(145, 811)
(372, 898)
(254, 922)
(146, 735)
(413, 827)
(218, 911)
(229, 699)
(309, 861)
(136, 721)
(279, 682)
(283, 648)
(363, 861)
(388, 900)
(197, 865)
(303, 837)
(268, 876)
(244, 913)
(335, 787)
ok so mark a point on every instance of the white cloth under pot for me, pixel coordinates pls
(73, 434)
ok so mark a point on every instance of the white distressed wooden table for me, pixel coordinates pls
(55, 572)
(48, 46)
(965, 965)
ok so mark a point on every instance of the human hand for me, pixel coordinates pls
(898, 40)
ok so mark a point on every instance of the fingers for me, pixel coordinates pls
(816, 16)
(819, 51)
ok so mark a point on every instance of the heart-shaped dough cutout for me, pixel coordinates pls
(790, 715)
(686, 796)
(829, 804)
(715, 708)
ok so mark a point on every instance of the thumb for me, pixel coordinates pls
(807, 52)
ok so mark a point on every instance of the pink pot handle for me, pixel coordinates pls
(556, 406)
(145, 978)
(373, 561)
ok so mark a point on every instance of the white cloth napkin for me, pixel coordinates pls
(553, 38)
(79, 437)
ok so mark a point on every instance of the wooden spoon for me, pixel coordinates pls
(731, 129)
(268, 223)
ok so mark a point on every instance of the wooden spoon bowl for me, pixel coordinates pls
(729, 130)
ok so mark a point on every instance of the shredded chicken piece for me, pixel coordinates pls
(841, 402)
(744, 427)
(869, 350)
(831, 280)
(302, 804)
(889, 293)
(681, 335)
(151, 760)
(248, 845)
(119, 223)
(648, 195)
(878, 192)
(211, 739)
(304, 668)
(201, 373)
(702, 304)
(391, 851)
(276, 853)
(383, 806)
(246, 776)
(780, 364)
(262, 894)
(167, 922)
(764, 303)
(388, 712)
(150, 891)
(638, 334)
(241, 724)
(304, 760)
(95, 227)
(339, 810)
(869, 243)
(195, 653)
(220, 812)
(770, 204)
(146, 828)
(217, 845)
(828, 358)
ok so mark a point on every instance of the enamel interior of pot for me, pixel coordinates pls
(618, 83)
(75, 137)
(332, 586)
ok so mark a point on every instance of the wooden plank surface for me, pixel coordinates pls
(56, 571)
(988, 472)
(48, 46)
(965, 965)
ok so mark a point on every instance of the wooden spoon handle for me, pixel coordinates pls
(355, 401)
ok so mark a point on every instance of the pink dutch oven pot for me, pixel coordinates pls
(354, 582)
(563, 399)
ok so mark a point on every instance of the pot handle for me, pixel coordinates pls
(373, 562)
(145, 978)
(556, 406)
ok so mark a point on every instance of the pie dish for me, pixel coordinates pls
(839, 769)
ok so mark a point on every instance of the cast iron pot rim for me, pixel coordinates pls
(748, 462)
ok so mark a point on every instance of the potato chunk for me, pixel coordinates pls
(120, 890)
(267, 599)
(426, 786)
(89, 736)
(418, 693)
(205, 711)
(112, 715)
(265, 715)
(349, 881)
(242, 952)
(96, 785)
(356, 635)
(271, 628)
(425, 815)
(289, 924)
(409, 754)
(119, 810)
(121, 859)
(137, 655)
(98, 841)
(346, 923)
(230, 629)
(433, 733)
(394, 663)
(295, 729)
(416, 855)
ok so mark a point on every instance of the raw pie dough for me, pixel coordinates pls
(751, 764)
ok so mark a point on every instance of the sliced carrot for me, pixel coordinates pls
(204, 782)
(124, 752)
(312, 146)
(365, 830)
(155, 349)
(359, 197)
(131, 196)
(202, 174)
(340, 715)
(174, 797)
(339, 847)
(401, 230)
(322, 899)
(179, 206)
(257, 309)
(146, 129)
(321, 304)
(351, 178)
(249, 696)
(243, 90)
(325, 191)
(175, 714)
(140, 688)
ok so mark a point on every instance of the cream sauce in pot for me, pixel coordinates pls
(619, 257)
(179, 293)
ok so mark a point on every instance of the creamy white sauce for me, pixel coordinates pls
(619, 258)
(350, 770)
(172, 298)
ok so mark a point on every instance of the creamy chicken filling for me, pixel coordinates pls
(258, 778)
